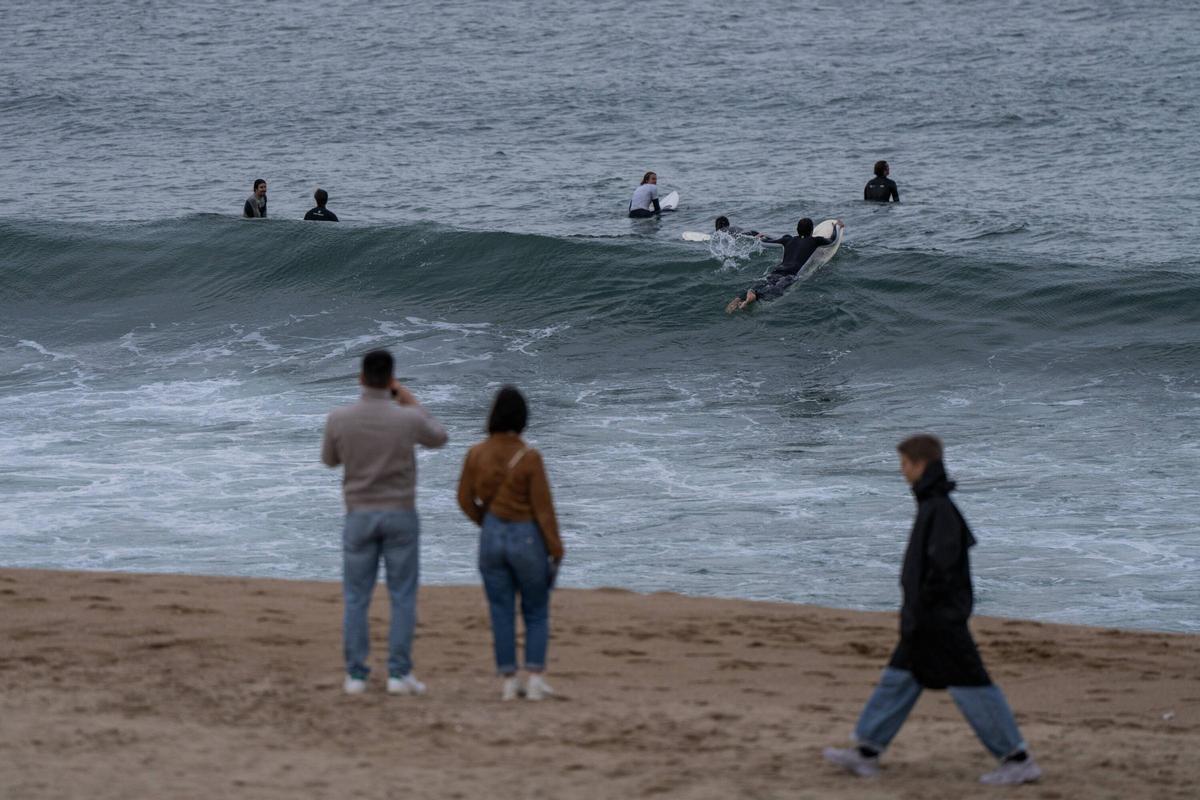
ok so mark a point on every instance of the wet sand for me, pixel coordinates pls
(147, 686)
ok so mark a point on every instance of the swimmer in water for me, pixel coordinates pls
(881, 188)
(645, 198)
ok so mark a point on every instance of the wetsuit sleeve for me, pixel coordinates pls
(823, 241)
(543, 507)
(466, 490)
(781, 240)
(249, 211)
(895, 192)
(657, 210)
(867, 191)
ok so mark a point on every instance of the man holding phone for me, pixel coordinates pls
(374, 439)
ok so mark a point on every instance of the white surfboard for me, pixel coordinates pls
(696, 236)
(827, 229)
(670, 202)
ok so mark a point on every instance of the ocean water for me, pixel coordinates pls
(165, 367)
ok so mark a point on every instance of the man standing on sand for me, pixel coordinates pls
(374, 439)
(936, 650)
(256, 204)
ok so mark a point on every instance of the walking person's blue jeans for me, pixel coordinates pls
(367, 537)
(984, 707)
(512, 560)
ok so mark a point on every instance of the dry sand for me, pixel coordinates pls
(165, 686)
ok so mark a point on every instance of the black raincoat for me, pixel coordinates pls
(935, 643)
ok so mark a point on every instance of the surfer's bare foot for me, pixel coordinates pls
(734, 305)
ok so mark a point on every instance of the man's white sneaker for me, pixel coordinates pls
(1011, 773)
(354, 685)
(511, 689)
(406, 685)
(537, 688)
(854, 761)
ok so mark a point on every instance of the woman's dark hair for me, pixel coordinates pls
(880, 168)
(647, 176)
(257, 183)
(721, 222)
(804, 227)
(509, 411)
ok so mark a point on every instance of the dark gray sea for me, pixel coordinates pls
(165, 367)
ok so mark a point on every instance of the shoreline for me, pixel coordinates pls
(136, 684)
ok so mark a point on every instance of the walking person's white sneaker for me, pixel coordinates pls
(511, 689)
(537, 688)
(1011, 773)
(406, 685)
(853, 761)
(354, 685)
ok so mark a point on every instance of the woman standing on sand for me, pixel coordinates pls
(503, 489)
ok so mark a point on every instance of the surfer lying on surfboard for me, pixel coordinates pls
(796, 252)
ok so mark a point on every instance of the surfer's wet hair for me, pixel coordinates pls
(921, 447)
(377, 367)
(722, 222)
(509, 412)
(880, 168)
(651, 174)
(804, 227)
(321, 196)
(257, 183)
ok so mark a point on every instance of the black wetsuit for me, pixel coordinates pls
(321, 214)
(735, 230)
(796, 252)
(881, 189)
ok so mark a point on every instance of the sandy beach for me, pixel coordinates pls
(148, 686)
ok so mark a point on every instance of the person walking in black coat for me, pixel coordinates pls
(936, 650)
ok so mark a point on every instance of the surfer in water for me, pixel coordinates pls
(256, 204)
(796, 252)
(321, 213)
(881, 188)
(722, 225)
(645, 198)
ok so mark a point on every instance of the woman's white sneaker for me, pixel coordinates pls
(537, 688)
(1011, 773)
(406, 685)
(511, 689)
(354, 685)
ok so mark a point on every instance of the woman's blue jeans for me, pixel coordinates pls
(512, 561)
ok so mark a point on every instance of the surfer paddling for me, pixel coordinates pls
(722, 226)
(796, 252)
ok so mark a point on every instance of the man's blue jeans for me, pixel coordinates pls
(984, 707)
(512, 559)
(367, 537)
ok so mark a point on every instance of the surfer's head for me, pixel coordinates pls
(722, 223)
(509, 411)
(321, 196)
(881, 169)
(377, 367)
(260, 188)
(650, 177)
(804, 227)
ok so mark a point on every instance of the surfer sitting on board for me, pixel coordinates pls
(796, 252)
(722, 225)
(645, 198)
